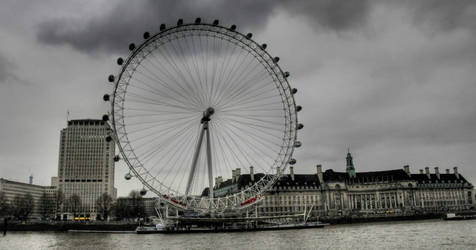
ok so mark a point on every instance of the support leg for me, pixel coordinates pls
(194, 161)
(210, 168)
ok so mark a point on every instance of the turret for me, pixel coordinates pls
(319, 173)
(350, 169)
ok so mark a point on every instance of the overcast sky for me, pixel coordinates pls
(394, 80)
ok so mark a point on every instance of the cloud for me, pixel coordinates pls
(394, 80)
(6, 68)
(445, 15)
(125, 22)
(331, 15)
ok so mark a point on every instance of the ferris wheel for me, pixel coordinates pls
(196, 101)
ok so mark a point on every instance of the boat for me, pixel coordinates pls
(150, 229)
(469, 215)
(268, 227)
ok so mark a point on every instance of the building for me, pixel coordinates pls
(11, 189)
(351, 193)
(86, 164)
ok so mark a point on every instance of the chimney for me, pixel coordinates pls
(291, 172)
(238, 173)
(421, 171)
(456, 172)
(252, 173)
(447, 171)
(278, 170)
(31, 179)
(437, 172)
(406, 168)
(319, 174)
(427, 171)
(233, 176)
(218, 181)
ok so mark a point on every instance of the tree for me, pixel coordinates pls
(22, 206)
(121, 208)
(4, 206)
(59, 199)
(47, 205)
(130, 207)
(137, 206)
(74, 204)
(104, 205)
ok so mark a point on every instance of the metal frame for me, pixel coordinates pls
(151, 182)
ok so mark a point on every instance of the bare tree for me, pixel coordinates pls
(137, 206)
(4, 206)
(47, 205)
(22, 206)
(59, 199)
(121, 209)
(104, 205)
(74, 204)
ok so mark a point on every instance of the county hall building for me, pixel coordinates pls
(351, 193)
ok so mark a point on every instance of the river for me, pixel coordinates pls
(428, 234)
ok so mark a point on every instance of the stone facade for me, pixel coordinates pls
(351, 193)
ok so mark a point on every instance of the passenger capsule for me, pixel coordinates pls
(294, 91)
(216, 22)
(276, 59)
(128, 176)
(298, 108)
(249, 35)
(117, 158)
(105, 97)
(286, 74)
(297, 144)
(143, 192)
(162, 27)
(198, 20)
(146, 35)
(110, 78)
(105, 118)
(180, 22)
(132, 46)
(300, 126)
(120, 61)
(108, 138)
(292, 161)
(233, 27)
(264, 45)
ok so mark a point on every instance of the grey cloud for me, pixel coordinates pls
(330, 14)
(7, 72)
(445, 15)
(125, 22)
(5, 69)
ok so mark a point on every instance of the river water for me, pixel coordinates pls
(429, 234)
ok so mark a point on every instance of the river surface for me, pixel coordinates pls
(429, 234)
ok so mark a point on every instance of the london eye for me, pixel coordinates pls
(193, 102)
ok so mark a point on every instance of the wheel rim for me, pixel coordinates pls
(165, 85)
